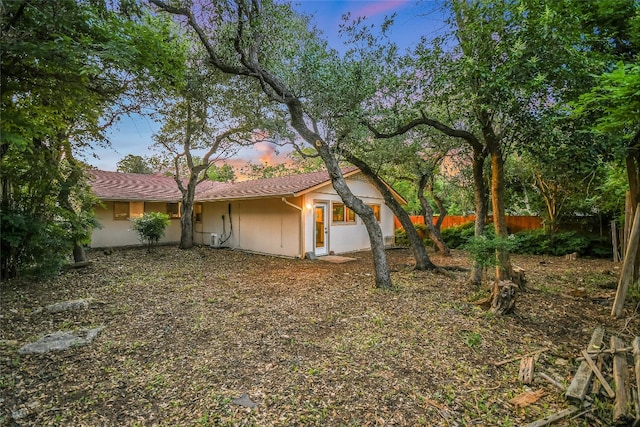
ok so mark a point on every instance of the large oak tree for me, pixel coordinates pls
(269, 43)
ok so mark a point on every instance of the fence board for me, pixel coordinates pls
(514, 223)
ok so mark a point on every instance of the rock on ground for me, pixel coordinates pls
(79, 304)
(61, 340)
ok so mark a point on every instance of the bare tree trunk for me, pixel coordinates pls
(186, 211)
(503, 267)
(434, 233)
(549, 194)
(442, 211)
(186, 225)
(7, 265)
(381, 267)
(480, 200)
(419, 251)
(507, 292)
(504, 291)
(79, 254)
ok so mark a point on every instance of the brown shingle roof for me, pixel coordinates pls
(283, 186)
(119, 186)
(137, 187)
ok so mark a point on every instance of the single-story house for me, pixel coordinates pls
(286, 216)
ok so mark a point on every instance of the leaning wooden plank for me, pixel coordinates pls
(578, 388)
(622, 408)
(595, 389)
(614, 241)
(627, 266)
(553, 418)
(636, 358)
(598, 374)
(628, 219)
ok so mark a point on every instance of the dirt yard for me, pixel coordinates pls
(308, 342)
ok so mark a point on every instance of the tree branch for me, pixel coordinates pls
(16, 16)
(213, 56)
(302, 153)
(424, 120)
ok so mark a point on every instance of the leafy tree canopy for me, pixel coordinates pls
(224, 173)
(68, 69)
(134, 164)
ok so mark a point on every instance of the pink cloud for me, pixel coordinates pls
(267, 152)
(378, 7)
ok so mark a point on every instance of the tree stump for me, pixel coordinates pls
(504, 297)
(518, 276)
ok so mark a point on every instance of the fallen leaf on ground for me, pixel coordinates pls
(312, 343)
(527, 398)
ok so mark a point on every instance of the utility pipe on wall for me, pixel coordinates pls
(300, 241)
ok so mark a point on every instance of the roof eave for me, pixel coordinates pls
(248, 197)
(323, 184)
(135, 199)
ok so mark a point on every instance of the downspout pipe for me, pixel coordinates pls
(286, 202)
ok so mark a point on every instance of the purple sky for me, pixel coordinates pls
(133, 135)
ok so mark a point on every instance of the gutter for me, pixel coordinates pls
(301, 242)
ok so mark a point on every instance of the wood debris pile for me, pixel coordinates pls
(595, 359)
(608, 372)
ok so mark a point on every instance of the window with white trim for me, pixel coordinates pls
(342, 214)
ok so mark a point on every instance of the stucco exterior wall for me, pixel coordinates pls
(119, 233)
(263, 225)
(266, 225)
(346, 237)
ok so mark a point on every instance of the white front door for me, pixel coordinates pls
(321, 240)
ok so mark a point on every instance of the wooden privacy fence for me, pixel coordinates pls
(514, 223)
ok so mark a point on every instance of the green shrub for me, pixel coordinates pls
(483, 248)
(600, 247)
(151, 227)
(403, 240)
(534, 242)
(537, 242)
(33, 246)
(568, 242)
(421, 229)
(459, 235)
(401, 237)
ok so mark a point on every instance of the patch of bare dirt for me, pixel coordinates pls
(311, 343)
